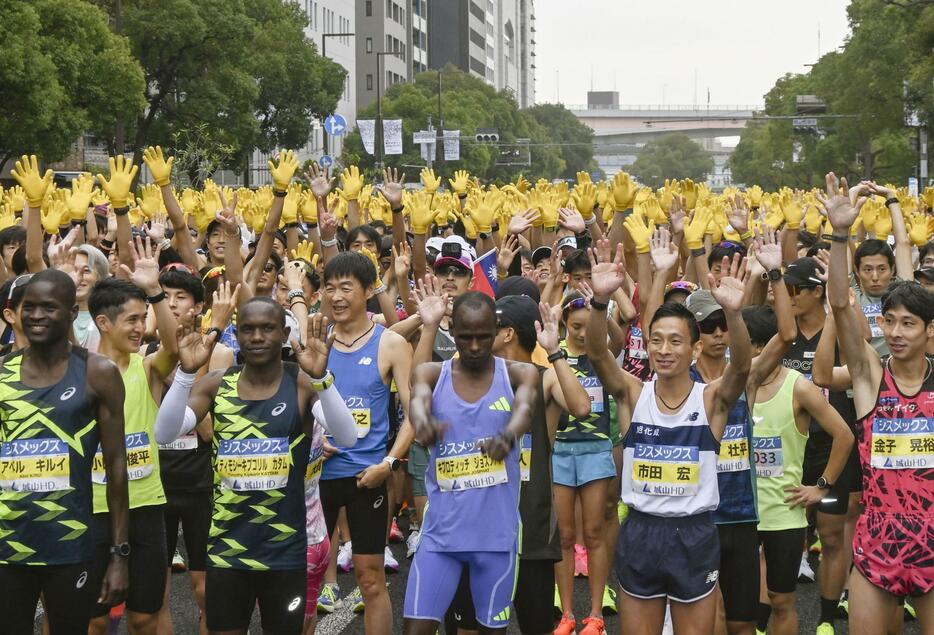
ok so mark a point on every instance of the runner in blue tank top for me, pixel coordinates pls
(469, 412)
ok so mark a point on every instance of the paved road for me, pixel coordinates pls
(185, 612)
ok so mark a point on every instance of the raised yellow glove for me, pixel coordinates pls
(282, 174)
(7, 217)
(918, 229)
(883, 226)
(122, 173)
(928, 197)
(303, 251)
(470, 227)
(522, 184)
(431, 181)
(151, 202)
(418, 206)
(290, 205)
(16, 197)
(624, 191)
(351, 183)
(190, 201)
(211, 200)
(696, 227)
(35, 185)
(256, 217)
(583, 177)
(82, 188)
(639, 231)
(308, 206)
(791, 210)
(754, 196)
(584, 196)
(460, 182)
(54, 217)
(690, 193)
(813, 219)
(159, 167)
(486, 209)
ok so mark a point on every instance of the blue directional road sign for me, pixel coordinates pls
(335, 125)
(326, 161)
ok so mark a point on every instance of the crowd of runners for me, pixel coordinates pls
(674, 392)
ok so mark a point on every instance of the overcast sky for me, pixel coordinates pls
(649, 50)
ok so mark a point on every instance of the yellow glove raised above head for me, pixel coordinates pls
(308, 206)
(928, 197)
(470, 227)
(7, 217)
(689, 190)
(150, 203)
(791, 210)
(813, 219)
(754, 196)
(487, 207)
(290, 205)
(652, 210)
(418, 206)
(211, 199)
(282, 174)
(35, 185)
(122, 173)
(255, 216)
(460, 181)
(55, 217)
(431, 181)
(640, 232)
(159, 167)
(919, 229)
(264, 198)
(883, 226)
(522, 184)
(351, 183)
(16, 197)
(623, 192)
(304, 251)
(584, 197)
(696, 227)
(82, 188)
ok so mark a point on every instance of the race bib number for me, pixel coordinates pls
(734, 450)
(315, 464)
(361, 415)
(251, 465)
(184, 443)
(525, 457)
(902, 444)
(595, 391)
(873, 313)
(35, 465)
(461, 466)
(770, 458)
(666, 470)
(139, 459)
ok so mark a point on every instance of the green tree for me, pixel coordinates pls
(244, 68)
(468, 103)
(64, 73)
(674, 156)
(576, 138)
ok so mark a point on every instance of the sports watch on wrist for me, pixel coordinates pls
(775, 275)
(393, 462)
(122, 550)
(823, 484)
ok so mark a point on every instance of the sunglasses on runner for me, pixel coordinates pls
(713, 321)
(575, 304)
(795, 289)
(178, 266)
(19, 281)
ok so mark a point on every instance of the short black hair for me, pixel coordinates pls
(265, 301)
(813, 249)
(64, 285)
(925, 251)
(110, 294)
(679, 311)
(351, 264)
(723, 249)
(189, 283)
(14, 234)
(472, 300)
(762, 324)
(806, 239)
(370, 233)
(873, 247)
(911, 296)
(18, 262)
(577, 260)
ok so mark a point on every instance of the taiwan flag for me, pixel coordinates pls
(484, 274)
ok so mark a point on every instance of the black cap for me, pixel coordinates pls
(540, 254)
(803, 273)
(518, 311)
(925, 273)
(517, 285)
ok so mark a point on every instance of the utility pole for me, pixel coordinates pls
(378, 137)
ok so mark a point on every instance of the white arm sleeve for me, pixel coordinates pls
(175, 417)
(332, 413)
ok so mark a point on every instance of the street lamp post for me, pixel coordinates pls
(378, 137)
(324, 44)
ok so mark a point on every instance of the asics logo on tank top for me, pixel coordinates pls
(68, 394)
(81, 580)
(294, 603)
(279, 409)
(378, 502)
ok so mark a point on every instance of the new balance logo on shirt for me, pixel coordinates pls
(501, 404)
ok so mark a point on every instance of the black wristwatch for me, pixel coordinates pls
(775, 275)
(823, 484)
(122, 550)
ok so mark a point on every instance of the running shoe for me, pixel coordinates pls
(345, 557)
(178, 563)
(395, 534)
(910, 614)
(843, 607)
(609, 601)
(390, 562)
(805, 572)
(580, 561)
(566, 626)
(411, 544)
(593, 626)
(355, 600)
(825, 628)
(329, 599)
(816, 546)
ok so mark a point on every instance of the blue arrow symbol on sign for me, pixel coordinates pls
(335, 125)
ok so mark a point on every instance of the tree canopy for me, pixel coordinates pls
(673, 156)
(467, 104)
(884, 72)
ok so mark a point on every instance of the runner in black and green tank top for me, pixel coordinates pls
(56, 402)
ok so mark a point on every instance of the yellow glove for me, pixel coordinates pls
(122, 173)
(522, 184)
(486, 209)
(151, 202)
(444, 216)
(754, 196)
(640, 232)
(160, 169)
(470, 227)
(696, 227)
(351, 183)
(290, 205)
(583, 177)
(82, 188)
(34, 185)
(584, 197)
(211, 200)
(99, 197)
(55, 217)
(308, 206)
(624, 191)
(460, 181)
(264, 198)
(430, 180)
(870, 212)
(813, 219)
(369, 254)
(791, 210)
(7, 217)
(339, 204)
(190, 201)
(282, 174)
(883, 226)
(256, 217)
(16, 196)
(918, 229)
(418, 206)
(561, 194)
(652, 210)
(303, 251)
(689, 191)
(928, 197)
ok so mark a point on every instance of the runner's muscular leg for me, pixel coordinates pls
(371, 576)
(593, 499)
(641, 617)
(565, 498)
(694, 618)
(834, 554)
(871, 608)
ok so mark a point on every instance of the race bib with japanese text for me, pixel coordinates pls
(249, 465)
(902, 444)
(35, 465)
(666, 470)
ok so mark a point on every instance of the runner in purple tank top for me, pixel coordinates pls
(469, 412)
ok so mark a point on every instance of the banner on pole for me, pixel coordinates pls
(392, 136)
(452, 145)
(367, 128)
